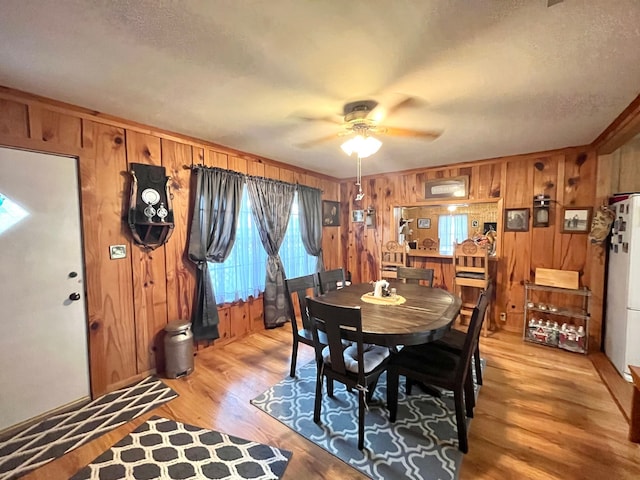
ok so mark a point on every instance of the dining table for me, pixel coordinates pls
(416, 314)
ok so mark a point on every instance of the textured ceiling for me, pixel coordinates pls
(495, 77)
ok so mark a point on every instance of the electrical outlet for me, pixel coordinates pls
(503, 317)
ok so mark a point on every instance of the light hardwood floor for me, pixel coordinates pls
(541, 414)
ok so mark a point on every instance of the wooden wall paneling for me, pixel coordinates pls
(371, 241)
(271, 171)
(286, 175)
(181, 272)
(344, 227)
(629, 164)
(301, 178)
(331, 251)
(311, 180)
(255, 168)
(109, 286)
(61, 129)
(149, 272)
(330, 190)
(516, 246)
(217, 159)
(240, 320)
(198, 156)
(14, 120)
(256, 313)
(224, 327)
(35, 121)
(489, 180)
(410, 189)
(237, 164)
(543, 239)
(597, 256)
(471, 173)
(579, 186)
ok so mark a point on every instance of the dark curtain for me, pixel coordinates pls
(213, 232)
(271, 206)
(310, 211)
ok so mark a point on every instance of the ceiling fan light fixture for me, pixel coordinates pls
(363, 146)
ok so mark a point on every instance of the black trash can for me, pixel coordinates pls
(178, 349)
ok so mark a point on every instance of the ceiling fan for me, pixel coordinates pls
(364, 117)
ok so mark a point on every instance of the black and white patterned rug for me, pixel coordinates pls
(163, 448)
(57, 435)
(421, 444)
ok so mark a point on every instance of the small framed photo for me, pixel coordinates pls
(357, 215)
(576, 219)
(424, 223)
(516, 220)
(330, 213)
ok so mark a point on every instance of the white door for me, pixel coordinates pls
(44, 361)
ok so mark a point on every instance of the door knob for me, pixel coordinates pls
(74, 296)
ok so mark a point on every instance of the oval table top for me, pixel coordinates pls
(427, 314)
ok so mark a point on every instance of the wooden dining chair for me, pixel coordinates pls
(471, 275)
(331, 280)
(393, 257)
(454, 339)
(416, 275)
(297, 290)
(357, 367)
(440, 368)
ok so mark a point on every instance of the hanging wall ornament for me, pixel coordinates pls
(150, 210)
(601, 224)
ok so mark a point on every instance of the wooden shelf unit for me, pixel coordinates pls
(554, 336)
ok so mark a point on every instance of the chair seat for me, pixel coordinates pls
(478, 276)
(453, 340)
(308, 335)
(373, 356)
(442, 363)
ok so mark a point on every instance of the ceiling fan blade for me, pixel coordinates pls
(328, 119)
(409, 133)
(317, 141)
(382, 111)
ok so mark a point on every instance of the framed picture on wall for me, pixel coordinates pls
(330, 213)
(516, 220)
(576, 219)
(424, 223)
(447, 188)
(357, 215)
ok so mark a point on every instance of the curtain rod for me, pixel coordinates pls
(246, 176)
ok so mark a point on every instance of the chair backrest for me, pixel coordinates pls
(429, 244)
(473, 333)
(393, 256)
(329, 279)
(301, 287)
(414, 275)
(332, 319)
(471, 260)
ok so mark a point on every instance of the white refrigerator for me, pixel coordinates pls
(622, 320)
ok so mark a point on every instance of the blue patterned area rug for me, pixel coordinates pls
(421, 444)
(59, 434)
(163, 448)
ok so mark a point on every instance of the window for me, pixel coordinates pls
(10, 213)
(243, 273)
(296, 260)
(452, 229)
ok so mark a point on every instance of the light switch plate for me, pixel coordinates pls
(117, 251)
